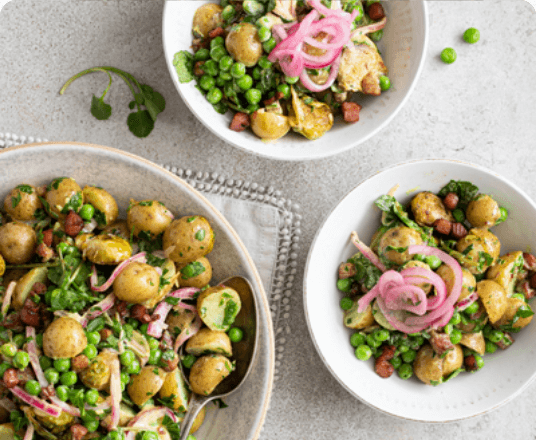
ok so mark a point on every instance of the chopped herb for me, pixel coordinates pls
(100, 218)
(55, 183)
(200, 235)
(466, 191)
(146, 203)
(15, 200)
(191, 219)
(74, 203)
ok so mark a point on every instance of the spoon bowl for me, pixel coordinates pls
(244, 352)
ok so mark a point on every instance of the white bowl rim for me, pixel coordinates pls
(325, 153)
(187, 187)
(306, 270)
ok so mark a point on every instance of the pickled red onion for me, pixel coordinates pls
(93, 280)
(36, 402)
(466, 302)
(366, 251)
(29, 432)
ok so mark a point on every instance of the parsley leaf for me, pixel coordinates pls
(184, 65)
(15, 200)
(466, 191)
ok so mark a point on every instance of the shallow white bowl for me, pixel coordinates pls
(126, 176)
(403, 47)
(506, 373)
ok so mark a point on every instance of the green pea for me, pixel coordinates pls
(256, 73)
(381, 334)
(217, 53)
(479, 361)
(432, 261)
(396, 362)
(264, 34)
(385, 83)
(252, 108)
(215, 42)
(93, 338)
(238, 70)
(409, 356)
(188, 360)
(62, 365)
(448, 55)
(202, 55)
(211, 67)
(471, 35)
(363, 352)
(344, 285)
(18, 340)
(214, 95)
(228, 13)
(346, 303)
(21, 360)
(448, 329)
(154, 357)
(285, 90)
(68, 378)
(456, 318)
(32, 387)
(265, 63)
(52, 376)
(403, 348)
(473, 308)
(253, 96)
(90, 351)
(125, 377)
(419, 257)
(207, 82)
(134, 367)
(405, 371)
(87, 212)
(376, 36)
(115, 435)
(496, 336)
(372, 342)
(153, 343)
(149, 435)
(226, 76)
(458, 215)
(91, 397)
(9, 349)
(245, 82)
(269, 45)
(357, 339)
(253, 7)
(127, 357)
(91, 425)
(225, 63)
(292, 79)
(418, 341)
(62, 392)
(456, 336)
(236, 334)
(220, 82)
(45, 362)
(504, 214)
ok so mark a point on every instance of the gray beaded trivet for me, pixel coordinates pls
(289, 232)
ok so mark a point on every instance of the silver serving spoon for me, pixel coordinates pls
(243, 352)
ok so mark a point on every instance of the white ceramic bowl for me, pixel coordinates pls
(126, 176)
(403, 48)
(506, 373)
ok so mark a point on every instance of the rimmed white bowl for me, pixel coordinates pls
(506, 373)
(403, 47)
(126, 176)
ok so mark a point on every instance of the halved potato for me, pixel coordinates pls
(207, 341)
(25, 285)
(474, 341)
(175, 387)
(218, 307)
(357, 321)
(493, 298)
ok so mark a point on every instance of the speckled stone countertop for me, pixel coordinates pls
(480, 109)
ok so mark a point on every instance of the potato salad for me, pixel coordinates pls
(94, 310)
(433, 293)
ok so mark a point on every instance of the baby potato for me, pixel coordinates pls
(268, 125)
(512, 306)
(396, 239)
(218, 307)
(207, 341)
(207, 372)
(55, 425)
(198, 273)
(108, 250)
(126, 414)
(243, 44)
(481, 242)
(505, 271)
(198, 421)
(64, 338)
(137, 283)
(119, 228)
(483, 211)
(81, 241)
(7, 431)
(493, 298)
(474, 341)
(188, 239)
(168, 282)
(22, 202)
(179, 319)
(59, 193)
(174, 386)
(206, 19)
(149, 216)
(357, 321)
(146, 384)
(103, 202)
(427, 366)
(468, 280)
(452, 360)
(25, 285)
(17, 242)
(426, 287)
(97, 374)
(379, 317)
(427, 208)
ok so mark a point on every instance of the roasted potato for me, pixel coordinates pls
(482, 249)
(268, 125)
(452, 360)
(427, 208)
(395, 240)
(106, 210)
(426, 287)
(357, 321)
(188, 239)
(207, 18)
(175, 387)
(137, 283)
(107, 250)
(60, 192)
(428, 367)
(243, 44)
(468, 280)
(7, 431)
(207, 372)
(55, 425)
(25, 285)
(168, 281)
(64, 338)
(207, 341)
(98, 372)
(505, 270)
(512, 306)
(198, 273)
(309, 117)
(146, 384)
(179, 319)
(18, 242)
(198, 421)
(22, 202)
(379, 317)
(119, 228)
(218, 307)
(474, 341)
(493, 298)
(483, 211)
(148, 216)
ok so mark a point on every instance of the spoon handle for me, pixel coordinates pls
(196, 404)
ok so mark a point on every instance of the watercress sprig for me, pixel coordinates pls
(149, 103)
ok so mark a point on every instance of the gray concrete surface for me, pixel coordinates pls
(480, 109)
